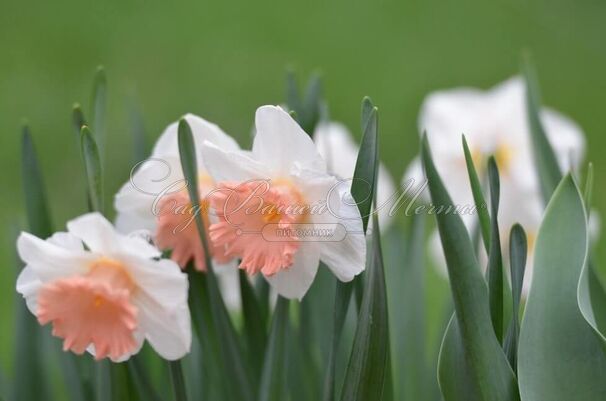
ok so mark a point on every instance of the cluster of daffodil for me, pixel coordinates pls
(286, 207)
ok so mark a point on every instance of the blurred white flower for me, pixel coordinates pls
(286, 159)
(105, 292)
(494, 122)
(340, 151)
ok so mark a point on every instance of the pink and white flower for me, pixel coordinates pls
(254, 193)
(105, 292)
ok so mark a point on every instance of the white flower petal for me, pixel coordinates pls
(49, 261)
(231, 166)
(202, 130)
(295, 281)
(28, 285)
(161, 280)
(168, 331)
(135, 201)
(280, 142)
(346, 258)
(95, 231)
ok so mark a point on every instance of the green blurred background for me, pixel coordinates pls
(223, 59)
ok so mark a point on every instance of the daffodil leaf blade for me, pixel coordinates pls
(141, 379)
(78, 120)
(312, 104)
(254, 323)
(478, 196)
(495, 259)
(365, 172)
(518, 248)
(92, 168)
(231, 355)
(405, 277)
(367, 371)
(486, 365)
(545, 159)
(274, 376)
(343, 293)
(99, 108)
(557, 347)
(36, 206)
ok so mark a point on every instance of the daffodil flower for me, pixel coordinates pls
(105, 292)
(340, 151)
(279, 209)
(494, 123)
(156, 199)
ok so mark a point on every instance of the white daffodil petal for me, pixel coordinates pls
(50, 261)
(28, 285)
(95, 231)
(162, 280)
(202, 130)
(168, 332)
(136, 201)
(346, 258)
(231, 166)
(294, 281)
(280, 142)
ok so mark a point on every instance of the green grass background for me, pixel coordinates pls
(223, 59)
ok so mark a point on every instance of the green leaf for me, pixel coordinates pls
(342, 300)
(365, 172)
(78, 120)
(138, 133)
(103, 382)
(213, 380)
(517, 261)
(92, 167)
(254, 327)
(142, 382)
(478, 197)
(367, 370)
(98, 108)
(588, 187)
(405, 273)
(308, 109)
(273, 380)
(495, 260)
(38, 215)
(545, 158)
(560, 358)
(231, 355)
(479, 357)
(177, 381)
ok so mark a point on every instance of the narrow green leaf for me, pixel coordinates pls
(143, 384)
(367, 370)
(365, 172)
(478, 197)
(560, 358)
(254, 327)
(213, 380)
(405, 272)
(342, 300)
(293, 98)
(177, 381)
(588, 187)
(98, 108)
(517, 261)
(230, 350)
(38, 215)
(312, 104)
(545, 158)
(78, 120)
(103, 383)
(273, 380)
(92, 167)
(488, 370)
(495, 259)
